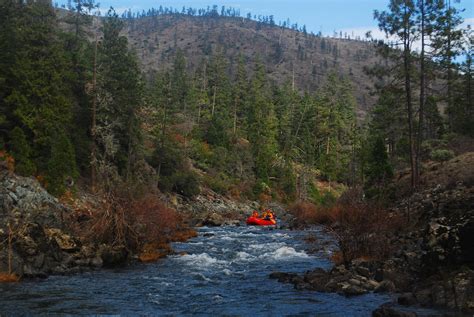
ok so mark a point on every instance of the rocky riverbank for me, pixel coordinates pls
(432, 263)
(211, 209)
(40, 242)
(43, 240)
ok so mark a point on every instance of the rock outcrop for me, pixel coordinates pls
(24, 199)
(40, 245)
(337, 280)
(432, 263)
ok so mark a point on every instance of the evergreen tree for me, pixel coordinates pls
(336, 116)
(120, 96)
(262, 125)
(240, 97)
(21, 152)
(34, 93)
(179, 82)
(61, 164)
(379, 170)
(446, 42)
(80, 53)
(400, 21)
(220, 96)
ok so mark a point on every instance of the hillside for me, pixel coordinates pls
(287, 54)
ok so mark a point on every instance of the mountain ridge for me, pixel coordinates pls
(290, 56)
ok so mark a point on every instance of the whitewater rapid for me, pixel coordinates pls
(222, 272)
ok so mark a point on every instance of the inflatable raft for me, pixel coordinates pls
(254, 221)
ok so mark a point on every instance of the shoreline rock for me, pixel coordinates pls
(40, 244)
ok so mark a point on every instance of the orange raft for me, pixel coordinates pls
(255, 221)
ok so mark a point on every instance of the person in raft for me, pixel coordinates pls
(255, 214)
(267, 214)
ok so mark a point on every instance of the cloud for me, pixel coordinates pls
(360, 32)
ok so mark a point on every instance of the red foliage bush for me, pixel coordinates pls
(362, 228)
(158, 222)
(309, 214)
(134, 222)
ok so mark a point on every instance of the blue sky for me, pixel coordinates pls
(327, 16)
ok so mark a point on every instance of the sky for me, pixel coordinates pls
(352, 16)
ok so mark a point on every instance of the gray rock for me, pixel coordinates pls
(387, 311)
(385, 286)
(407, 299)
(97, 262)
(213, 220)
(113, 256)
(352, 290)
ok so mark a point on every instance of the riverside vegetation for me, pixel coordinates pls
(115, 130)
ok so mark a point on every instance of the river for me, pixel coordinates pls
(224, 271)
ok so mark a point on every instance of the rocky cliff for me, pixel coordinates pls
(34, 237)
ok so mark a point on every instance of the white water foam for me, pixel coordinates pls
(227, 272)
(202, 260)
(243, 256)
(202, 277)
(267, 246)
(285, 253)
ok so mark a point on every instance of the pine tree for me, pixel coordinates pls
(446, 42)
(34, 93)
(120, 96)
(262, 126)
(240, 97)
(21, 152)
(61, 165)
(379, 171)
(336, 116)
(399, 21)
(179, 82)
(220, 96)
(80, 53)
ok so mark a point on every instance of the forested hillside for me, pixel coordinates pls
(293, 56)
(203, 98)
(289, 52)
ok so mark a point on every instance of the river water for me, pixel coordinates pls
(222, 272)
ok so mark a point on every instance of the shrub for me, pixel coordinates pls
(201, 154)
(309, 214)
(442, 155)
(326, 199)
(20, 149)
(61, 165)
(364, 230)
(184, 183)
(218, 183)
(122, 219)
